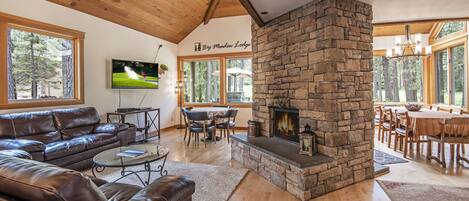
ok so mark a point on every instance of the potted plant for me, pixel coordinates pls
(163, 69)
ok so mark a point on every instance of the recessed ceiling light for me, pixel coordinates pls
(264, 12)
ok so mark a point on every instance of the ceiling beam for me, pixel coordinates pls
(252, 12)
(211, 10)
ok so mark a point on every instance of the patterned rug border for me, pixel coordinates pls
(386, 190)
(401, 160)
(243, 172)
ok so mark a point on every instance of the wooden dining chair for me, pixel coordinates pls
(444, 109)
(200, 122)
(228, 123)
(455, 131)
(378, 119)
(462, 147)
(388, 126)
(404, 134)
(450, 110)
(186, 122)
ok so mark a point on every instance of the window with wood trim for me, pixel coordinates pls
(449, 28)
(450, 76)
(41, 64)
(222, 79)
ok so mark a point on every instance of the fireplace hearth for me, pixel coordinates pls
(285, 123)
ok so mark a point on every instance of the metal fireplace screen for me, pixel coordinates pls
(286, 124)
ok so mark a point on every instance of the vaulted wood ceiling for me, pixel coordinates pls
(399, 29)
(171, 20)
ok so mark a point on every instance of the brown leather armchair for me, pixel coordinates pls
(24, 179)
(64, 137)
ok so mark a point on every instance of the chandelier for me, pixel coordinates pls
(406, 47)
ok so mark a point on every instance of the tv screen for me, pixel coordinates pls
(134, 75)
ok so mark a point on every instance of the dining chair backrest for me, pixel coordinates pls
(444, 109)
(232, 114)
(184, 114)
(457, 127)
(463, 112)
(378, 111)
(388, 115)
(193, 116)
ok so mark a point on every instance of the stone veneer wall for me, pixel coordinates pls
(318, 59)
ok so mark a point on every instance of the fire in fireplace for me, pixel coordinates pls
(286, 123)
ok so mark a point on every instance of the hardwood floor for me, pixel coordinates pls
(255, 188)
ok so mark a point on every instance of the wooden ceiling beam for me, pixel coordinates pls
(252, 12)
(210, 10)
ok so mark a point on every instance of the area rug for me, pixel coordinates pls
(386, 159)
(398, 191)
(212, 183)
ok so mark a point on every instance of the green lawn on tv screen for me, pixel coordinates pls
(123, 80)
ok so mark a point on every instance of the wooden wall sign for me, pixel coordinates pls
(199, 46)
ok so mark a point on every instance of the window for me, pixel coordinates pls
(202, 81)
(458, 79)
(239, 80)
(41, 64)
(450, 28)
(224, 79)
(398, 79)
(442, 77)
(450, 75)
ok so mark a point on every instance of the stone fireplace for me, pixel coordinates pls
(316, 59)
(285, 123)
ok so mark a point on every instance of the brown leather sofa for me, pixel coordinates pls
(64, 137)
(23, 179)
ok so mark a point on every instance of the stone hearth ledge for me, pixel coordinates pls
(282, 150)
(303, 176)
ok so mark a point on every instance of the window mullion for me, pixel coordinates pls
(222, 61)
(3, 64)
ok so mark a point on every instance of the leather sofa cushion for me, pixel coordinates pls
(75, 117)
(31, 180)
(168, 188)
(27, 145)
(122, 127)
(46, 138)
(95, 140)
(119, 191)
(6, 127)
(63, 148)
(30, 125)
(76, 132)
(16, 153)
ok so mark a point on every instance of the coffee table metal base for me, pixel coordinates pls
(125, 173)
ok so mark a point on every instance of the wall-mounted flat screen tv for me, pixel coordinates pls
(134, 75)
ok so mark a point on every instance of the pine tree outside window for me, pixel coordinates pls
(221, 79)
(42, 65)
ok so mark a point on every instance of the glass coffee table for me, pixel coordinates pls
(110, 159)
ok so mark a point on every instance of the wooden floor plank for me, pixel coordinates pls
(255, 188)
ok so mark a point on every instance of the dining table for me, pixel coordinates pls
(213, 113)
(426, 122)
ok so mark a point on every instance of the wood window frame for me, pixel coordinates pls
(446, 43)
(222, 58)
(8, 21)
(425, 80)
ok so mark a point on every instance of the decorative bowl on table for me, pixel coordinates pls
(413, 107)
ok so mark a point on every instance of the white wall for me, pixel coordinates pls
(412, 10)
(221, 30)
(218, 31)
(103, 41)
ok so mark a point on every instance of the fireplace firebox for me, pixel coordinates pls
(285, 123)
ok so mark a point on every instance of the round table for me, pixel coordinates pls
(212, 111)
(110, 158)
